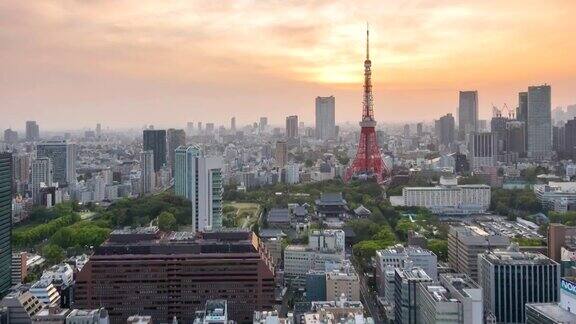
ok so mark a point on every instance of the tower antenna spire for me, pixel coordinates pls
(367, 41)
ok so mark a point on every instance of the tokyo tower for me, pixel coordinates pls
(368, 161)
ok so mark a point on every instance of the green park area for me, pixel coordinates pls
(240, 214)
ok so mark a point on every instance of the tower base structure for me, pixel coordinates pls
(368, 162)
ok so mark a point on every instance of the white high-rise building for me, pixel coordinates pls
(325, 118)
(292, 173)
(199, 179)
(147, 174)
(41, 174)
(539, 126)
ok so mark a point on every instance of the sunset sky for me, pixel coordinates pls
(72, 63)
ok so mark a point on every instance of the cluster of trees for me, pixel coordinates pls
(63, 232)
(62, 215)
(142, 211)
(566, 218)
(387, 226)
(515, 203)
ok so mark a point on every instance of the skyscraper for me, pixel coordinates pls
(570, 139)
(445, 129)
(10, 136)
(155, 140)
(539, 126)
(176, 138)
(292, 126)
(62, 154)
(281, 153)
(147, 174)
(325, 117)
(199, 179)
(516, 138)
(5, 222)
(98, 130)
(233, 124)
(263, 124)
(467, 113)
(42, 173)
(32, 131)
(510, 279)
(522, 111)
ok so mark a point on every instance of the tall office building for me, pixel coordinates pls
(147, 174)
(21, 165)
(445, 129)
(570, 139)
(167, 275)
(522, 110)
(263, 124)
(325, 117)
(292, 126)
(233, 124)
(510, 279)
(467, 113)
(516, 138)
(539, 125)
(98, 130)
(42, 173)
(465, 243)
(155, 140)
(498, 129)
(482, 150)
(32, 131)
(199, 179)
(62, 154)
(10, 136)
(5, 222)
(281, 153)
(176, 138)
(420, 129)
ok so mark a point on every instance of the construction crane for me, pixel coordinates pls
(497, 112)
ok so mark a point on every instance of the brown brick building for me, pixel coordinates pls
(146, 272)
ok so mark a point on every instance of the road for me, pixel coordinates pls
(369, 300)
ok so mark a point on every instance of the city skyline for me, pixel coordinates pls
(131, 63)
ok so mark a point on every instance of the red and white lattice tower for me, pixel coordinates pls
(368, 161)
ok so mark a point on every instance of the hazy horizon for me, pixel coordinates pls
(126, 63)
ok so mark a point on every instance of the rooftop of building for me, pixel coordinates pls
(331, 198)
(479, 235)
(553, 312)
(413, 273)
(513, 256)
(401, 249)
(278, 215)
(152, 241)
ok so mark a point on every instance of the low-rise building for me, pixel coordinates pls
(342, 282)
(455, 299)
(548, 313)
(45, 291)
(407, 280)
(466, 242)
(557, 196)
